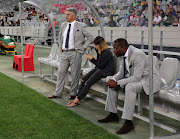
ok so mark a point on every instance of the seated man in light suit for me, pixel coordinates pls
(74, 38)
(133, 76)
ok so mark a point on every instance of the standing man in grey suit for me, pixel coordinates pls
(133, 76)
(72, 45)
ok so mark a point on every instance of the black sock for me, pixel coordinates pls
(113, 114)
(129, 122)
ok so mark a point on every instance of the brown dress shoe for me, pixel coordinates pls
(53, 96)
(126, 128)
(109, 118)
(72, 97)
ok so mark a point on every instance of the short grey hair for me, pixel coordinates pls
(72, 10)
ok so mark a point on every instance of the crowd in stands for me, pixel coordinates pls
(9, 19)
(167, 14)
(32, 12)
(136, 14)
(6, 20)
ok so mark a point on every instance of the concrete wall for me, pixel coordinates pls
(170, 38)
(27, 31)
(171, 35)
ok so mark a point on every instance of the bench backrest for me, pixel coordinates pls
(168, 70)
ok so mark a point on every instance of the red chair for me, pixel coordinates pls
(15, 57)
(28, 61)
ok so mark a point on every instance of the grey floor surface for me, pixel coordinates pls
(89, 109)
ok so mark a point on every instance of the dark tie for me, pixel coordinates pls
(124, 67)
(67, 37)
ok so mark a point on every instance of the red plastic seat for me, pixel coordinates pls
(28, 61)
(16, 56)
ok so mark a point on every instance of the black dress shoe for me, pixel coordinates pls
(53, 96)
(72, 97)
(126, 128)
(109, 118)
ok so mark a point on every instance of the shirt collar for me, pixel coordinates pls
(126, 54)
(72, 23)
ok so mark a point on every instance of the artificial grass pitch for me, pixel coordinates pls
(24, 113)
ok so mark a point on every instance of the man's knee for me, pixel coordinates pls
(129, 87)
(133, 87)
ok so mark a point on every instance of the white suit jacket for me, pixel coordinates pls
(139, 71)
(80, 33)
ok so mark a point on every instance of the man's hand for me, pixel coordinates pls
(111, 83)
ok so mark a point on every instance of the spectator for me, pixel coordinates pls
(54, 22)
(144, 4)
(34, 12)
(137, 20)
(45, 18)
(131, 8)
(157, 20)
(173, 12)
(111, 22)
(119, 23)
(111, 12)
(11, 23)
(139, 7)
(170, 19)
(167, 12)
(91, 21)
(167, 6)
(6, 17)
(117, 11)
(171, 6)
(2, 22)
(175, 2)
(29, 17)
(154, 3)
(176, 22)
(144, 19)
(163, 16)
(101, 12)
(130, 19)
(158, 7)
(17, 22)
(110, 5)
(85, 11)
(178, 11)
(41, 18)
(155, 11)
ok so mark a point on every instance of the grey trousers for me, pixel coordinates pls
(131, 91)
(73, 60)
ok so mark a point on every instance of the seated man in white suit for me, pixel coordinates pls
(133, 76)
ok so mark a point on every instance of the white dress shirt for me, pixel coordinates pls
(71, 36)
(126, 60)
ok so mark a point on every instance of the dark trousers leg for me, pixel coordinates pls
(96, 76)
(85, 78)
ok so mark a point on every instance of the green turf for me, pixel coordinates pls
(24, 113)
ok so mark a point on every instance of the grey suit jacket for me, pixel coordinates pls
(80, 32)
(139, 71)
